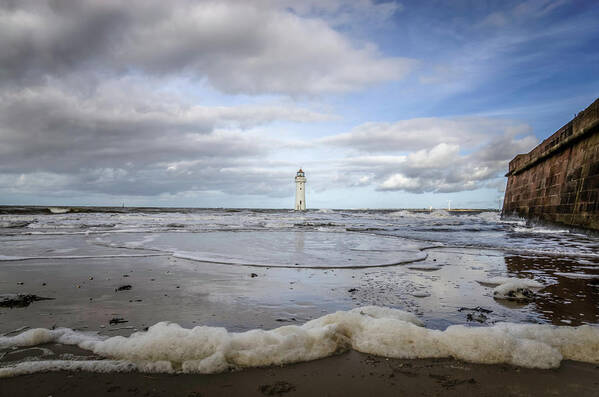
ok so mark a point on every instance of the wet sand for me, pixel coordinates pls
(240, 298)
(190, 293)
(348, 374)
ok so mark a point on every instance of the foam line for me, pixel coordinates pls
(32, 367)
(214, 258)
(168, 347)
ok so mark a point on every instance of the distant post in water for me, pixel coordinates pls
(300, 191)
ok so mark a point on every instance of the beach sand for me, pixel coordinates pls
(348, 374)
(241, 298)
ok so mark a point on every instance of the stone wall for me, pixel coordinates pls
(558, 181)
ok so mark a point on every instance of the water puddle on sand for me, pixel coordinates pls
(572, 293)
(295, 249)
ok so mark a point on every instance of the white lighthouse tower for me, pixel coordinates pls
(300, 191)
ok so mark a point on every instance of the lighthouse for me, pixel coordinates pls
(300, 191)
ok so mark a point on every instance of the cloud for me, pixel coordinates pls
(423, 133)
(127, 138)
(34, 182)
(400, 182)
(164, 99)
(433, 155)
(441, 155)
(55, 130)
(236, 46)
(523, 12)
(346, 13)
(102, 97)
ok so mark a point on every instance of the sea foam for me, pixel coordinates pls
(520, 282)
(168, 347)
(519, 289)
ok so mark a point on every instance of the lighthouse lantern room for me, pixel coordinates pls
(300, 191)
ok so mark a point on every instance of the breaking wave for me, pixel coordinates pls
(57, 210)
(540, 230)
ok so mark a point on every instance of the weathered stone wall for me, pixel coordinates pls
(558, 181)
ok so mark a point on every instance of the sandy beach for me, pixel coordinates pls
(85, 298)
(349, 374)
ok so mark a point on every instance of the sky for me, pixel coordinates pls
(384, 104)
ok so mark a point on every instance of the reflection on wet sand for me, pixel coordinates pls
(572, 298)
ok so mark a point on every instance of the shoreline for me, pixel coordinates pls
(348, 374)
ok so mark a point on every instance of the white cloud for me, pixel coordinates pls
(440, 155)
(400, 182)
(433, 155)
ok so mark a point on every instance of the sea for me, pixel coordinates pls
(211, 290)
